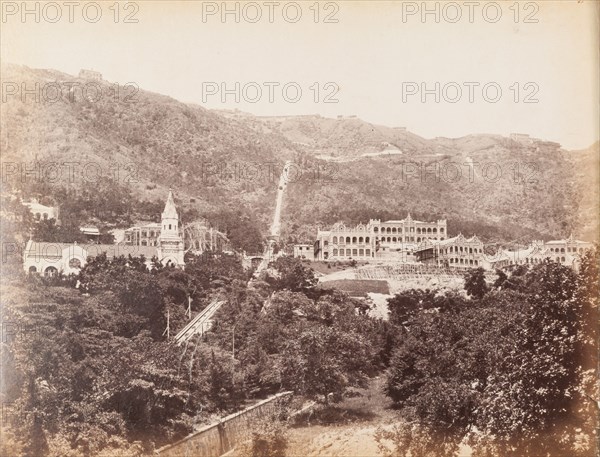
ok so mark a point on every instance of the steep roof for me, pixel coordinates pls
(170, 211)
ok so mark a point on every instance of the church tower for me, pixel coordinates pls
(170, 243)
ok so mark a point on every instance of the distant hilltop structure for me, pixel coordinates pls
(90, 74)
(523, 138)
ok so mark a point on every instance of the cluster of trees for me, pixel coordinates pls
(507, 367)
(109, 204)
(91, 371)
(509, 371)
(287, 334)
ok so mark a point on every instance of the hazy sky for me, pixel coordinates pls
(378, 54)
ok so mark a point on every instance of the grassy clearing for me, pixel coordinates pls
(358, 287)
(327, 268)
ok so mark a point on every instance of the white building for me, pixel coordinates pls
(51, 259)
(457, 251)
(304, 251)
(567, 252)
(377, 239)
(41, 212)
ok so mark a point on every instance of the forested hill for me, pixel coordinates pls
(346, 169)
(158, 142)
(499, 188)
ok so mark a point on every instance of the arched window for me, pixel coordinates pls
(347, 240)
(434, 230)
(441, 229)
(375, 229)
(353, 240)
(394, 239)
(367, 240)
(45, 216)
(32, 269)
(360, 239)
(75, 263)
(562, 250)
(389, 238)
(50, 272)
(429, 230)
(393, 229)
(418, 230)
(389, 230)
(418, 239)
(562, 258)
(334, 241)
(470, 250)
(144, 243)
(38, 216)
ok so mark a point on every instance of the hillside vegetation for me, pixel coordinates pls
(345, 169)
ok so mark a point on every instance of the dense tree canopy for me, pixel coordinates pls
(506, 371)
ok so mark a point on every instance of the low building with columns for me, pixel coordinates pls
(457, 251)
(51, 259)
(567, 252)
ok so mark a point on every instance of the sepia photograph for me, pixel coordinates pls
(312, 228)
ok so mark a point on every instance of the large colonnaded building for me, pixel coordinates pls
(412, 241)
(68, 258)
(376, 239)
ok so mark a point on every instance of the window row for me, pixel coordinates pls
(351, 252)
(454, 249)
(349, 240)
(562, 250)
(464, 262)
(412, 229)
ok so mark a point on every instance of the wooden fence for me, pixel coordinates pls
(221, 437)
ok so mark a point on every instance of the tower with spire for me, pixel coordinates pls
(170, 243)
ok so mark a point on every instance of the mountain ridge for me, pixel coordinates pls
(211, 158)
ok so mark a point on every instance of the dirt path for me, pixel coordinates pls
(352, 428)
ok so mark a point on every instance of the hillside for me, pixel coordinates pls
(158, 142)
(347, 169)
(498, 188)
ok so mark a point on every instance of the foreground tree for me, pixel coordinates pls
(506, 373)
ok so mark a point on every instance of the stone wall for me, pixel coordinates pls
(216, 439)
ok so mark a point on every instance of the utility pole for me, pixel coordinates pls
(233, 343)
